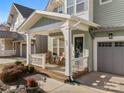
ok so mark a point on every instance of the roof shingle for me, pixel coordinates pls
(25, 11)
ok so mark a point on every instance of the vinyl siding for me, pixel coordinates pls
(105, 34)
(110, 14)
(41, 44)
(45, 21)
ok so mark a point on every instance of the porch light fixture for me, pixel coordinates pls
(110, 35)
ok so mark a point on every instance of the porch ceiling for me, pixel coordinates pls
(45, 30)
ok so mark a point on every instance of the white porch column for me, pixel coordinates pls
(58, 47)
(20, 49)
(28, 37)
(68, 49)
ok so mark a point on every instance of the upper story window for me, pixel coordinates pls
(104, 1)
(59, 9)
(76, 6)
(81, 6)
(70, 7)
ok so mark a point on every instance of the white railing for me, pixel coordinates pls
(38, 60)
(7, 53)
(79, 64)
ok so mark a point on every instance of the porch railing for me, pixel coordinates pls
(79, 64)
(38, 60)
(7, 53)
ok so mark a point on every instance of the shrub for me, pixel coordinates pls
(31, 69)
(12, 73)
(8, 67)
(18, 62)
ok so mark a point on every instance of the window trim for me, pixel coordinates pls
(102, 3)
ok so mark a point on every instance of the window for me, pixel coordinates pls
(59, 9)
(70, 7)
(58, 46)
(76, 6)
(104, 1)
(105, 44)
(81, 6)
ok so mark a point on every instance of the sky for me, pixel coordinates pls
(5, 6)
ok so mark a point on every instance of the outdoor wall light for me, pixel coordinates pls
(110, 35)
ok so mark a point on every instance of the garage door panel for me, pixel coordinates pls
(117, 60)
(107, 58)
(100, 59)
(111, 57)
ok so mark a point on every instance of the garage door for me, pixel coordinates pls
(111, 57)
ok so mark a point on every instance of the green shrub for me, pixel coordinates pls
(31, 69)
(18, 62)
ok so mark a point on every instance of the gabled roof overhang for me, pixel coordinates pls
(63, 17)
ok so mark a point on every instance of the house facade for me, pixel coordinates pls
(86, 34)
(67, 26)
(109, 39)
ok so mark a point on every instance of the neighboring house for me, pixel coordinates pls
(67, 25)
(109, 39)
(17, 44)
(4, 27)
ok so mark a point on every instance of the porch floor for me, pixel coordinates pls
(52, 71)
(55, 68)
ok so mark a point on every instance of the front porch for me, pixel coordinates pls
(68, 39)
(74, 57)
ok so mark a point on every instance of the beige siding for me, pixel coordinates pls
(8, 45)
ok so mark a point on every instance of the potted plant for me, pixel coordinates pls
(32, 85)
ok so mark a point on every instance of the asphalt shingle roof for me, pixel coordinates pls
(13, 35)
(25, 11)
(8, 34)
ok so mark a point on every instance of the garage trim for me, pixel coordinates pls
(95, 47)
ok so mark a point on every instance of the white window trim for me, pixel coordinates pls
(102, 3)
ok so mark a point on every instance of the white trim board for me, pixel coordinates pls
(105, 2)
(102, 39)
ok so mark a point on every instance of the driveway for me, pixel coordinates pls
(103, 81)
(11, 60)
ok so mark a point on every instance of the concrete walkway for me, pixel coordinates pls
(103, 81)
(11, 60)
(89, 84)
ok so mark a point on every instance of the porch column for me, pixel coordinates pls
(68, 49)
(28, 37)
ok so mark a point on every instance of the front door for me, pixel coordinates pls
(78, 46)
(78, 41)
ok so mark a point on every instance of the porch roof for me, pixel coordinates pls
(36, 15)
(8, 34)
(12, 35)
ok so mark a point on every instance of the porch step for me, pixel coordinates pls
(78, 74)
(52, 74)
